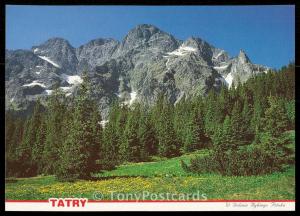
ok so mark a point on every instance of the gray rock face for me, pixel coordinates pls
(146, 63)
(147, 38)
(95, 52)
(60, 51)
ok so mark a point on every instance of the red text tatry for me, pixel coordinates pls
(68, 202)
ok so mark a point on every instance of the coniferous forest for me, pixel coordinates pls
(243, 128)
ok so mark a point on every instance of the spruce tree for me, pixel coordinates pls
(38, 145)
(238, 124)
(247, 116)
(111, 137)
(25, 153)
(13, 139)
(147, 136)
(224, 101)
(130, 148)
(223, 138)
(272, 141)
(223, 143)
(94, 149)
(213, 115)
(9, 126)
(195, 137)
(290, 112)
(228, 134)
(181, 116)
(16, 139)
(257, 117)
(276, 120)
(54, 121)
(168, 142)
(191, 140)
(77, 155)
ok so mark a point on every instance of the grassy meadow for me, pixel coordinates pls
(159, 176)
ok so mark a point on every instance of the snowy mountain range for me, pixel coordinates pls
(146, 63)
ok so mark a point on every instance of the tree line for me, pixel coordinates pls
(242, 126)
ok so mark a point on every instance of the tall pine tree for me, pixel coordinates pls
(78, 153)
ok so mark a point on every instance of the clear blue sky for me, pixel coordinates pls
(266, 33)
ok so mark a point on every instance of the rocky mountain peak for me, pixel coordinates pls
(55, 42)
(146, 29)
(141, 33)
(202, 48)
(59, 52)
(146, 63)
(192, 42)
(146, 36)
(243, 58)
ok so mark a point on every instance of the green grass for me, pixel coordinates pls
(162, 176)
(160, 168)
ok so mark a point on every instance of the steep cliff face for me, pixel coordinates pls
(146, 63)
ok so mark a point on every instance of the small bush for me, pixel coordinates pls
(200, 164)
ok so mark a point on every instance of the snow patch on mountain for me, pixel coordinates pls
(229, 79)
(48, 92)
(73, 80)
(182, 51)
(167, 62)
(34, 83)
(218, 55)
(223, 67)
(133, 95)
(65, 89)
(50, 61)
